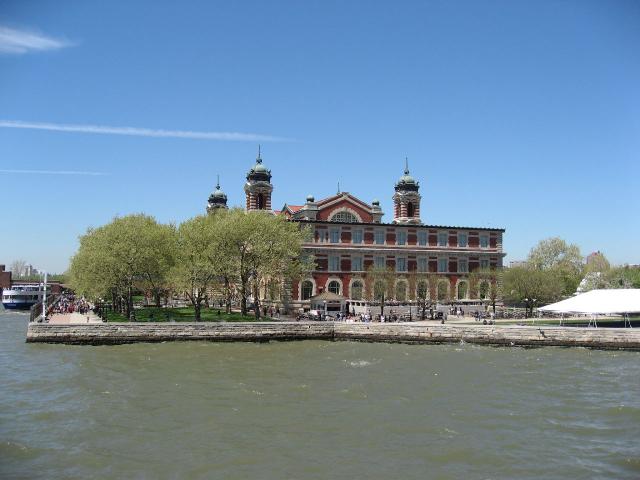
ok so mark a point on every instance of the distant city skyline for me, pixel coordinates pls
(515, 115)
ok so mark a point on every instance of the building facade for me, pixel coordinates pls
(350, 239)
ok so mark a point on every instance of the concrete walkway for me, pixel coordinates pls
(75, 317)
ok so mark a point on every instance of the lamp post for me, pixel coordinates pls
(325, 309)
(44, 300)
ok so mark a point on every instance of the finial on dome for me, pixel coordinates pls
(406, 165)
(259, 158)
(218, 182)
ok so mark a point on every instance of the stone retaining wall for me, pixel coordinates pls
(117, 333)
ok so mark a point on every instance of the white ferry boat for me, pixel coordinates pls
(22, 296)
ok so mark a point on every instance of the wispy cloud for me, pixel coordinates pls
(14, 41)
(143, 132)
(55, 172)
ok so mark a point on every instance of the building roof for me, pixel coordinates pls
(373, 224)
(328, 296)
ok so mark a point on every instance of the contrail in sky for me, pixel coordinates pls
(55, 172)
(14, 41)
(143, 132)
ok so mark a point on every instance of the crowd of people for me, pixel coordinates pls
(70, 303)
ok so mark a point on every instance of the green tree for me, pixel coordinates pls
(623, 277)
(555, 254)
(486, 283)
(379, 282)
(263, 247)
(113, 258)
(531, 287)
(199, 250)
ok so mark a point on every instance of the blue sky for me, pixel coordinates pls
(514, 114)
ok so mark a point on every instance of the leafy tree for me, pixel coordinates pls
(531, 287)
(200, 248)
(379, 282)
(263, 247)
(113, 258)
(623, 277)
(555, 254)
(485, 283)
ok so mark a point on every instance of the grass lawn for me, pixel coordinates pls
(184, 314)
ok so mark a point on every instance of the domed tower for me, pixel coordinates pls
(406, 200)
(218, 199)
(258, 187)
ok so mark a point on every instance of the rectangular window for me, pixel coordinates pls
(401, 264)
(379, 237)
(378, 262)
(423, 264)
(484, 263)
(484, 241)
(401, 237)
(442, 239)
(334, 235)
(463, 265)
(443, 265)
(356, 236)
(422, 237)
(334, 263)
(463, 240)
(356, 264)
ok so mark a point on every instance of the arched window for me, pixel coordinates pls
(443, 290)
(463, 290)
(423, 290)
(260, 201)
(344, 216)
(356, 290)
(401, 291)
(410, 209)
(307, 289)
(334, 287)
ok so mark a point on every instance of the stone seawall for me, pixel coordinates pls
(118, 333)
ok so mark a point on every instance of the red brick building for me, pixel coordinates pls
(349, 238)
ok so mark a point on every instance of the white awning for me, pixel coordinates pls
(606, 301)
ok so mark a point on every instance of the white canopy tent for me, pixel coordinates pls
(622, 301)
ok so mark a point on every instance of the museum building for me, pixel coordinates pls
(349, 238)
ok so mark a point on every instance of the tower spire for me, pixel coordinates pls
(406, 165)
(259, 158)
(218, 182)
(338, 187)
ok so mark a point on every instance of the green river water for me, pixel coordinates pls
(315, 410)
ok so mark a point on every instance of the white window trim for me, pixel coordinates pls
(333, 279)
(406, 266)
(446, 269)
(466, 234)
(361, 236)
(361, 263)
(446, 243)
(314, 288)
(348, 210)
